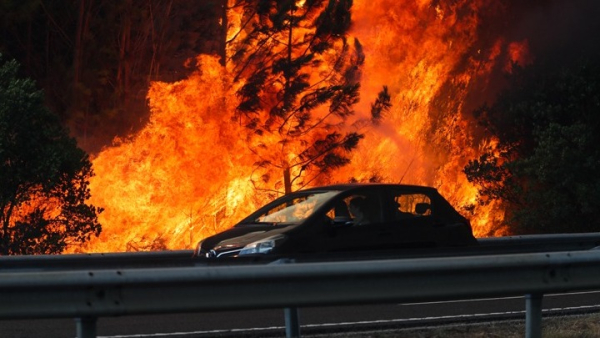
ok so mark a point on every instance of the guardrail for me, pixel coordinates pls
(88, 295)
(548, 242)
(115, 260)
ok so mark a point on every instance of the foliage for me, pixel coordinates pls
(546, 163)
(299, 75)
(43, 174)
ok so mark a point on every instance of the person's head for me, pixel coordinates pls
(357, 207)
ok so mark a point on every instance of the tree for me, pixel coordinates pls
(299, 75)
(96, 59)
(43, 174)
(545, 166)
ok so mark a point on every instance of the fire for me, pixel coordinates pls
(187, 174)
(518, 52)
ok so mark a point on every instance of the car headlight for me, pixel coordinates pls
(263, 246)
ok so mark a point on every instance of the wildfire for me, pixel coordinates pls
(187, 174)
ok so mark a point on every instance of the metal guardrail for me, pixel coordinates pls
(88, 295)
(113, 260)
(569, 241)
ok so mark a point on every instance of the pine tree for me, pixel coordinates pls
(299, 73)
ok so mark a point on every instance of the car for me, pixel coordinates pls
(344, 218)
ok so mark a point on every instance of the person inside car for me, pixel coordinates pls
(358, 209)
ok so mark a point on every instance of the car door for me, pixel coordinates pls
(409, 220)
(342, 233)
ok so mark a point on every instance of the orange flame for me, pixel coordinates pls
(186, 175)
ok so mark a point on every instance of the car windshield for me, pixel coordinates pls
(295, 210)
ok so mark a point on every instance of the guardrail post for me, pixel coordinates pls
(533, 320)
(292, 322)
(86, 327)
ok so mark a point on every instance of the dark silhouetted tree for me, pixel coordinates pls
(43, 174)
(299, 74)
(546, 164)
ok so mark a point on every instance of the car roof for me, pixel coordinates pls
(352, 186)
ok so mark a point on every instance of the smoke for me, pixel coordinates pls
(558, 31)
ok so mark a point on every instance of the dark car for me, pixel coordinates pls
(344, 218)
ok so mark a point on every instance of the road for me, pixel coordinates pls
(262, 323)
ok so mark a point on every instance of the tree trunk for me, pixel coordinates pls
(223, 42)
(287, 180)
(159, 28)
(78, 102)
(124, 67)
(77, 50)
(6, 232)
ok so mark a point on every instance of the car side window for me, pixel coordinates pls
(364, 208)
(409, 205)
(339, 213)
(356, 209)
(294, 210)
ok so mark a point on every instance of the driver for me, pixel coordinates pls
(358, 209)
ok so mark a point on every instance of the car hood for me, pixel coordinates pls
(231, 241)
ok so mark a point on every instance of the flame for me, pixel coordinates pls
(187, 174)
(518, 52)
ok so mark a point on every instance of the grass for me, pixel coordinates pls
(581, 326)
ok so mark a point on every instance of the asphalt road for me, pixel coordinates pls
(263, 323)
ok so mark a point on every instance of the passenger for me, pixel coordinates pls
(358, 209)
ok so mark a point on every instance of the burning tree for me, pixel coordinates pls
(299, 75)
(43, 175)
